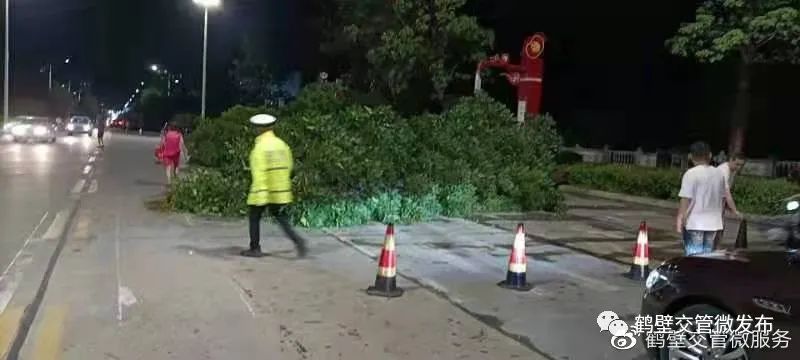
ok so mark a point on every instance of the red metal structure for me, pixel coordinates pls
(527, 76)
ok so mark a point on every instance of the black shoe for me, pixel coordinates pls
(255, 253)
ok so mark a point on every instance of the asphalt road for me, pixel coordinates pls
(35, 182)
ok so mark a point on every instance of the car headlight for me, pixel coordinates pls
(792, 205)
(71, 127)
(40, 131)
(19, 130)
(86, 127)
(655, 280)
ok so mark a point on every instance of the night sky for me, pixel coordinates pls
(608, 77)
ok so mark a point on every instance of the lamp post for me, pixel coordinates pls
(49, 68)
(7, 59)
(206, 4)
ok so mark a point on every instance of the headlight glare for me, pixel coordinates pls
(19, 130)
(40, 131)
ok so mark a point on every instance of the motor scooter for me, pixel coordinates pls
(787, 231)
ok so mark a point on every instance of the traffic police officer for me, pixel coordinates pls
(271, 189)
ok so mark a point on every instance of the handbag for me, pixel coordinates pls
(741, 236)
(159, 153)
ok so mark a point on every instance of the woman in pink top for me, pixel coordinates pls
(173, 147)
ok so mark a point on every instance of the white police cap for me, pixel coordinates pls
(263, 119)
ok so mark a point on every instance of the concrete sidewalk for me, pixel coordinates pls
(137, 284)
(608, 228)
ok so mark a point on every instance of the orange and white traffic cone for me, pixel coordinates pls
(641, 256)
(517, 264)
(386, 280)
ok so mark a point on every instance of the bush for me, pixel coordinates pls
(224, 143)
(208, 192)
(355, 164)
(538, 192)
(752, 195)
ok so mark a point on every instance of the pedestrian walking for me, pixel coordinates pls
(729, 170)
(702, 195)
(172, 149)
(271, 189)
(101, 130)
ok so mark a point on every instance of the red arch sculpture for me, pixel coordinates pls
(526, 77)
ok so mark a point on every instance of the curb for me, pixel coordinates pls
(639, 200)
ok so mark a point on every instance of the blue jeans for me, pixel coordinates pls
(698, 242)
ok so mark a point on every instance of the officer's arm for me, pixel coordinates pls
(258, 166)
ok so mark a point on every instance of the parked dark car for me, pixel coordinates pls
(740, 282)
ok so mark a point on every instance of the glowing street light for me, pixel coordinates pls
(154, 67)
(206, 4)
(137, 91)
(141, 83)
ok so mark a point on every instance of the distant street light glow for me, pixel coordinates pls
(154, 67)
(67, 60)
(208, 3)
(141, 83)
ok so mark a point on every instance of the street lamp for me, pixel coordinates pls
(49, 70)
(6, 70)
(206, 4)
(154, 67)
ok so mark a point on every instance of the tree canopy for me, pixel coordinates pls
(761, 31)
(752, 31)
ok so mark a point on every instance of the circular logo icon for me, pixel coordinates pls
(623, 342)
(534, 47)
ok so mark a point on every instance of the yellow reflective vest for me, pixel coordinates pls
(271, 168)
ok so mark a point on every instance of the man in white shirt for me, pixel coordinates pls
(731, 167)
(703, 193)
(729, 170)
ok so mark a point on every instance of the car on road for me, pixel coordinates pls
(80, 125)
(741, 284)
(33, 128)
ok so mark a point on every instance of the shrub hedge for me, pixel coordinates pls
(752, 194)
(355, 163)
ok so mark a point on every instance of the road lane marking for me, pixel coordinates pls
(125, 296)
(50, 334)
(78, 186)
(119, 276)
(9, 284)
(9, 323)
(93, 187)
(87, 169)
(57, 226)
(25, 244)
(240, 289)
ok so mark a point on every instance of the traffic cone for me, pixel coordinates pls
(641, 256)
(741, 236)
(386, 280)
(517, 264)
